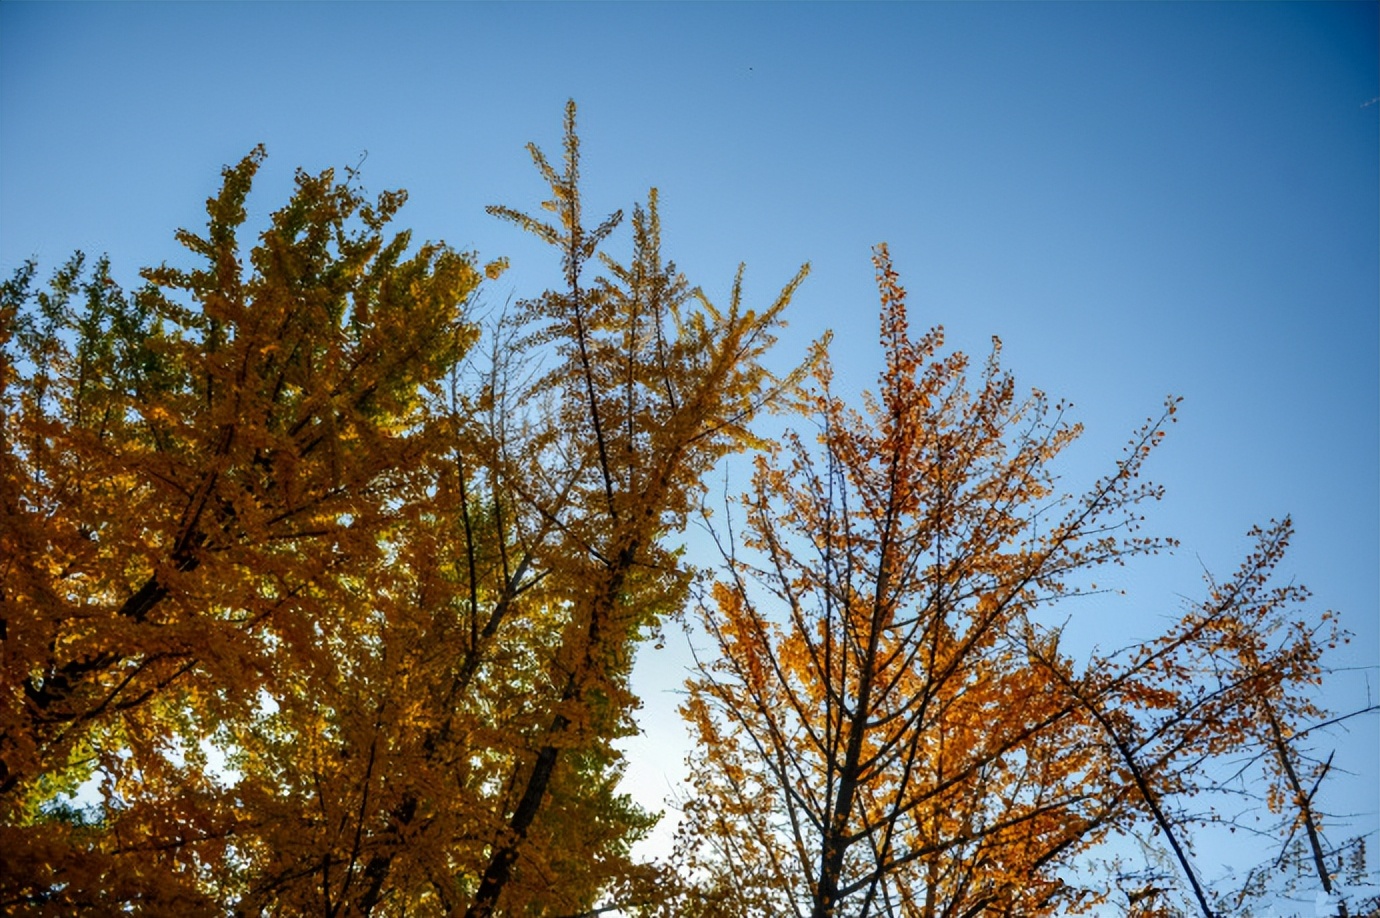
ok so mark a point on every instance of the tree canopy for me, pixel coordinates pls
(321, 582)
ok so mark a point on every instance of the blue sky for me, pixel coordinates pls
(1141, 199)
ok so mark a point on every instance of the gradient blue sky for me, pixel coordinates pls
(1141, 199)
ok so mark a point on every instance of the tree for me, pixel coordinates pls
(190, 474)
(888, 725)
(653, 385)
(470, 768)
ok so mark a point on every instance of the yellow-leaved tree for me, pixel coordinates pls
(194, 475)
(649, 386)
(469, 714)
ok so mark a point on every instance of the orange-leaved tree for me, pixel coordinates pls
(887, 725)
(1216, 708)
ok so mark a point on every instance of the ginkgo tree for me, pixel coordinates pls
(651, 385)
(471, 768)
(191, 472)
(885, 725)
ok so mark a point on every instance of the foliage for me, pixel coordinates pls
(320, 588)
(191, 473)
(333, 595)
(888, 725)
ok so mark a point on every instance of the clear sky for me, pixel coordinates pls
(1141, 199)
